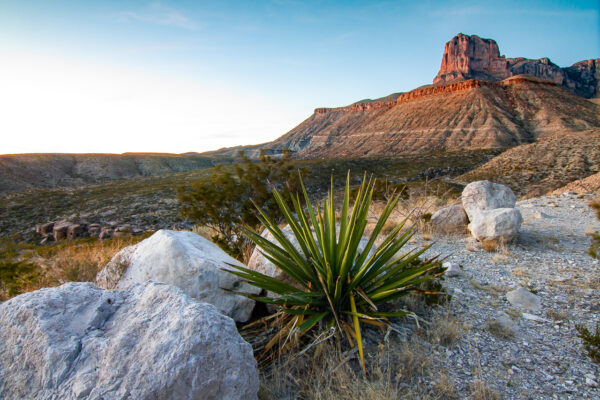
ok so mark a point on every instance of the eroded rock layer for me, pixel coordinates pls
(472, 114)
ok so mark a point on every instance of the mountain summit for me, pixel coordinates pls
(471, 57)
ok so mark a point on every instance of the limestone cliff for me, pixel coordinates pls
(471, 57)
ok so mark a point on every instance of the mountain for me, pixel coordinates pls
(35, 171)
(479, 99)
(548, 164)
(466, 115)
(471, 57)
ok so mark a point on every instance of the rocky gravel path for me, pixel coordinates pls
(525, 353)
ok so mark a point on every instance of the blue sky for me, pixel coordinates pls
(177, 76)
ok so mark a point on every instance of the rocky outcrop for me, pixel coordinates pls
(471, 57)
(63, 230)
(151, 342)
(186, 260)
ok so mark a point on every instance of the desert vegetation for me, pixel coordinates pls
(335, 283)
(26, 267)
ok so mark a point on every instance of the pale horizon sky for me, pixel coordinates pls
(192, 76)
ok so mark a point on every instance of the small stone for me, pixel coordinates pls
(523, 298)
(540, 215)
(591, 382)
(532, 317)
(452, 269)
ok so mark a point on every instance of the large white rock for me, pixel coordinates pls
(500, 224)
(259, 263)
(186, 260)
(79, 341)
(451, 219)
(484, 195)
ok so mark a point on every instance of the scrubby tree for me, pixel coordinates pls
(225, 200)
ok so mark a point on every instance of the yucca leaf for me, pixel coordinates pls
(284, 242)
(358, 335)
(312, 321)
(307, 234)
(343, 237)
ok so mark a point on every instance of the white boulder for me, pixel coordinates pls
(500, 224)
(485, 195)
(451, 219)
(151, 342)
(186, 260)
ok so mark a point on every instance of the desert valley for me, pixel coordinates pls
(469, 268)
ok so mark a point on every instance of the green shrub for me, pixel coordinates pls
(591, 341)
(15, 277)
(334, 284)
(225, 201)
(16, 274)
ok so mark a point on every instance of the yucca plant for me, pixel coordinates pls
(333, 283)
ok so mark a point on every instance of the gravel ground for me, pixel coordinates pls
(519, 353)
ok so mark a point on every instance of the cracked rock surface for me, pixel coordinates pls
(78, 341)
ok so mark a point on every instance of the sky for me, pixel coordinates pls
(190, 76)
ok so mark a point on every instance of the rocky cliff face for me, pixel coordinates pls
(471, 57)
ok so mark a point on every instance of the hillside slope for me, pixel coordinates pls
(460, 116)
(536, 168)
(36, 171)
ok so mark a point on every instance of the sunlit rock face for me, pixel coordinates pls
(471, 57)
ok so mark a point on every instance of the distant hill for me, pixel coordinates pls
(36, 171)
(537, 168)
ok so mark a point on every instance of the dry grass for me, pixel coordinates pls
(494, 290)
(499, 330)
(558, 315)
(520, 273)
(480, 391)
(70, 261)
(445, 330)
(490, 245)
(395, 370)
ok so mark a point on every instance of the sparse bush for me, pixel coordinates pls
(335, 286)
(16, 272)
(24, 268)
(591, 340)
(225, 201)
